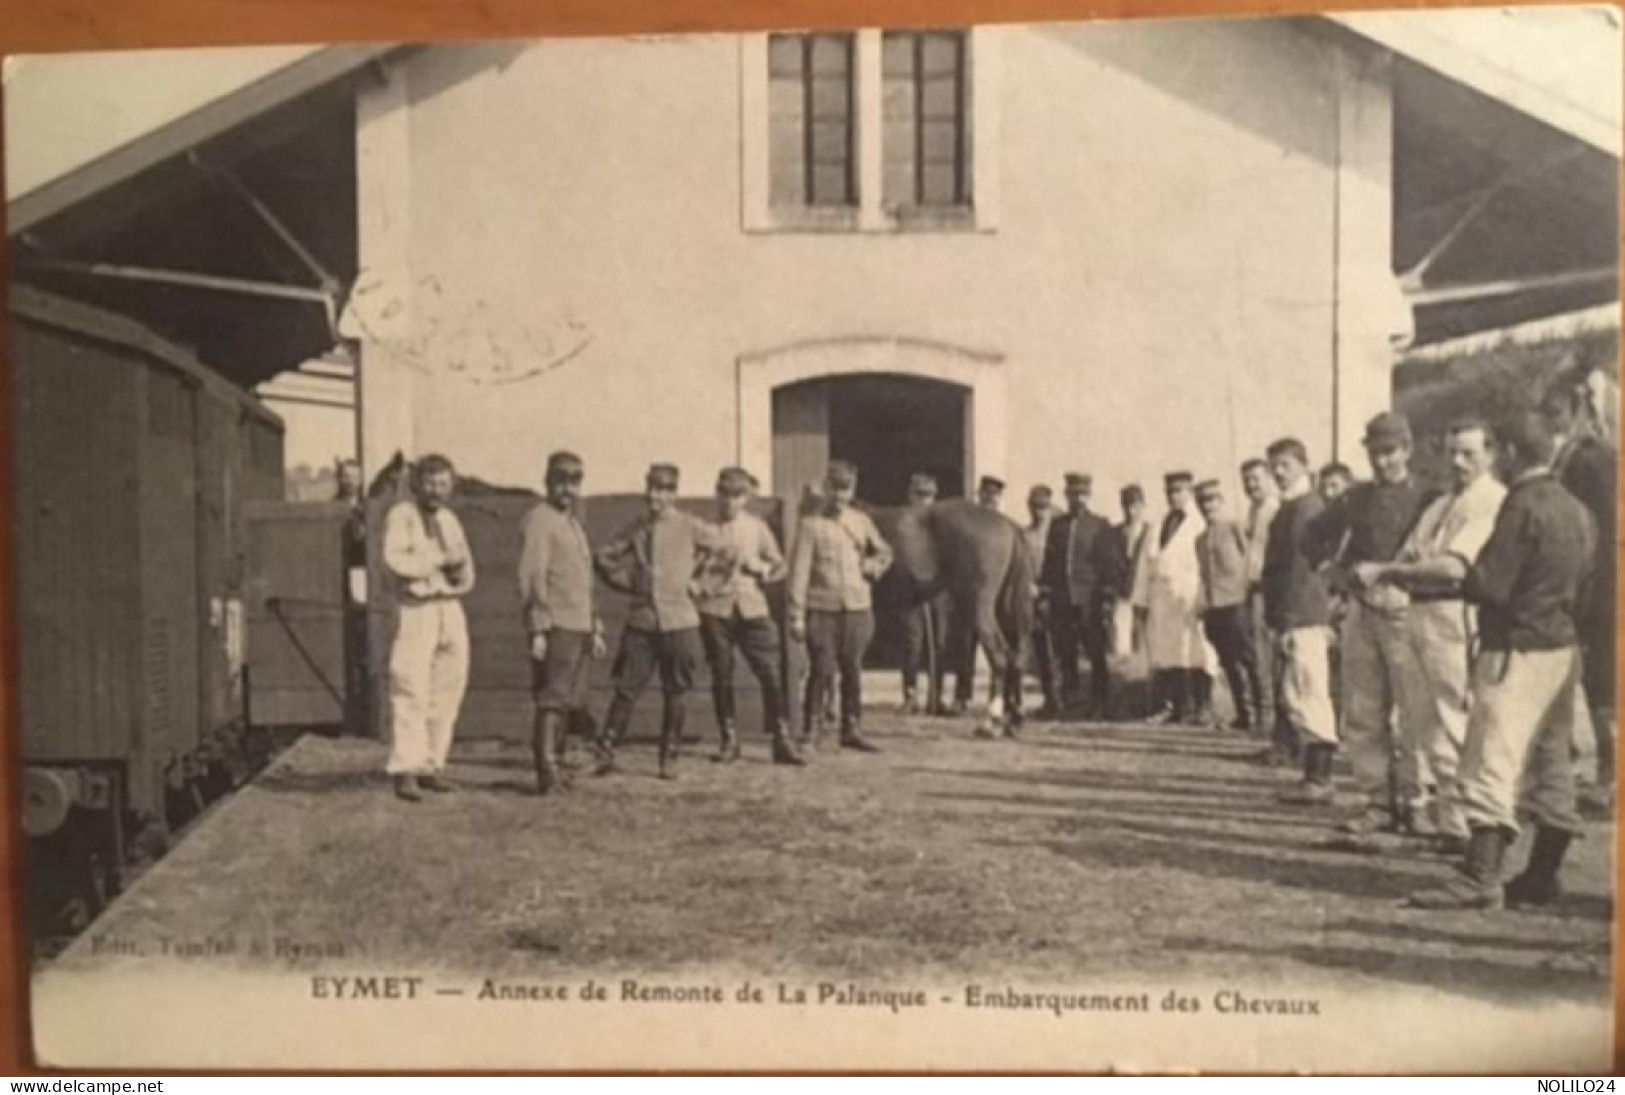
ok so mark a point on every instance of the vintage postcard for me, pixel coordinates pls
(1070, 546)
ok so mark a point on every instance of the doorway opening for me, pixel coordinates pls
(889, 426)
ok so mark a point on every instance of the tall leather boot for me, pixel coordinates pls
(1537, 884)
(784, 750)
(1478, 886)
(545, 738)
(673, 715)
(728, 747)
(609, 737)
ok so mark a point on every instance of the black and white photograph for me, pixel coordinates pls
(1022, 547)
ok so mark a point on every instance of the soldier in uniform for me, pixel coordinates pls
(838, 555)
(556, 597)
(655, 560)
(1072, 592)
(734, 614)
(1383, 684)
(990, 492)
(1222, 553)
(1040, 514)
(427, 558)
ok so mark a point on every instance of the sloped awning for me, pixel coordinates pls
(220, 210)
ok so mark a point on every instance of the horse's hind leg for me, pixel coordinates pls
(988, 636)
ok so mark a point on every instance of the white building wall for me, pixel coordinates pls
(575, 272)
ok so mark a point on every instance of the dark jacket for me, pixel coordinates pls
(1294, 592)
(1527, 579)
(1590, 471)
(1076, 566)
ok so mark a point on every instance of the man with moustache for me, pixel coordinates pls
(556, 596)
(431, 570)
(1444, 627)
(1527, 582)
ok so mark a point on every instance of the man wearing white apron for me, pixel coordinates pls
(1168, 592)
(431, 570)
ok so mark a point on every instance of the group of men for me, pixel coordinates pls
(695, 587)
(1469, 627)
(1446, 643)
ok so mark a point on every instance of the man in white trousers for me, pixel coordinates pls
(431, 569)
(1444, 627)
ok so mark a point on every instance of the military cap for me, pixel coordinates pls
(1131, 493)
(922, 483)
(991, 482)
(661, 476)
(1388, 430)
(1040, 490)
(565, 464)
(841, 474)
(1178, 479)
(1209, 488)
(1078, 480)
(733, 481)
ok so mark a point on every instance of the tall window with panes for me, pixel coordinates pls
(813, 130)
(927, 128)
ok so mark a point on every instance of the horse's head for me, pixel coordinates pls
(393, 479)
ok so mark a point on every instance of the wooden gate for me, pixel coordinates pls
(296, 613)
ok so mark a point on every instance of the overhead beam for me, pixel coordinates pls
(1457, 294)
(181, 279)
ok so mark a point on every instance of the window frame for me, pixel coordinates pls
(870, 214)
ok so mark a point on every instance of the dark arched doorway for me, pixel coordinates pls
(888, 425)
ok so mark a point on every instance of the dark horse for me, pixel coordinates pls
(978, 557)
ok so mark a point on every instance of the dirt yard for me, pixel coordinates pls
(1077, 851)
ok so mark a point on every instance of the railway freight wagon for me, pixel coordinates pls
(132, 464)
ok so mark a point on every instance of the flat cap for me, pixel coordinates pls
(662, 475)
(1388, 430)
(733, 481)
(1178, 479)
(1079, 479)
